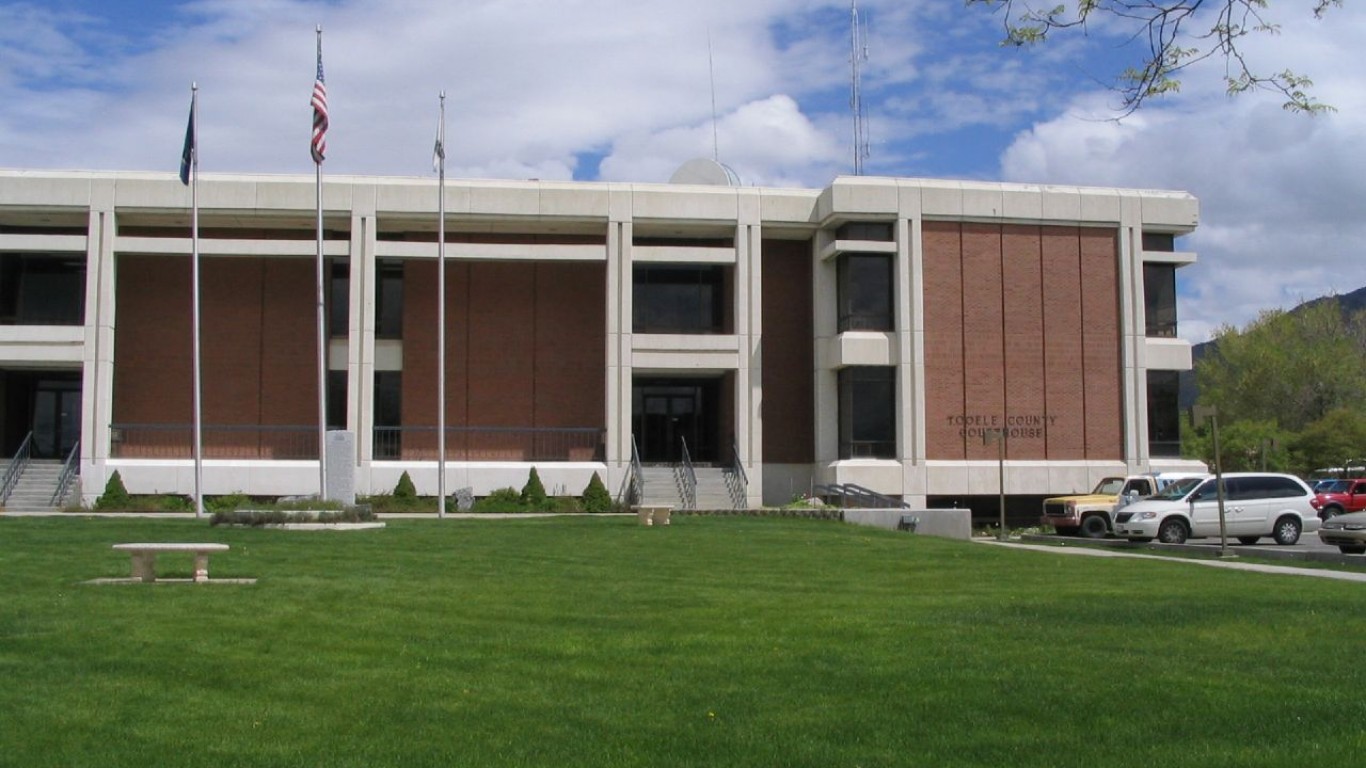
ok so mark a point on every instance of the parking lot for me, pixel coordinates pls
(1308, 549)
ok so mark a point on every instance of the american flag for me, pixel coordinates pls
(319, 147)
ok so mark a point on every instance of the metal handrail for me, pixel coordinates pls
(633, 485)
(70, 469)
(686, 478)
(861, 497)
(16, 468)
(736, 479)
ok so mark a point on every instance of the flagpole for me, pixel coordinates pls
(194, 254)
(441, 312)
(318, 147)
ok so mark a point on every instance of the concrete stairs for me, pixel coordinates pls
(34, 490)
(712, 491)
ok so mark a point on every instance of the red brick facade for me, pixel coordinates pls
(258, 362)
(1022, 333)
(526, 347)
(788, 364)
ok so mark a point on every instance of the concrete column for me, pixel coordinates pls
(97, 374)
(749, 378)
(825, 327)
(360, 360)
(1132, 328)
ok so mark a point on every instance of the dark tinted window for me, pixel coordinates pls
(1159, 300)
(339, 299)
(1159, 241)
(867, 402)
(678, 298)
(389, 299)
(1164, 413)
(42, 289)
(336, 400)
(878, 231)
(865, 292)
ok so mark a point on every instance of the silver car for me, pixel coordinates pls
(1346, 532)
(1256, 504)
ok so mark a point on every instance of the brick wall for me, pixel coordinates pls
(788, 356)
(1022, 332)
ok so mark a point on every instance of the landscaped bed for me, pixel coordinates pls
(593, 641)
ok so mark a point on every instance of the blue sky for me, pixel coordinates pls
(616, 90)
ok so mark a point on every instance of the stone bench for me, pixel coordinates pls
(653, 515)
(145, 555)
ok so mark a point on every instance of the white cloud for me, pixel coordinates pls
(1280, 193)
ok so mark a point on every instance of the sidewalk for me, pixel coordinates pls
(1322, 573)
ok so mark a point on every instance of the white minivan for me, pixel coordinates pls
(1256, 504)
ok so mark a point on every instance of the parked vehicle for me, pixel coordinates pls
(1346, 532)
(1256, 504)
(1092, 514)
(1340, 496)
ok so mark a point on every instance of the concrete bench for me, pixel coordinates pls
(145, 555)
(653, 515)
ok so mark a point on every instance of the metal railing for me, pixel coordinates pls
(70, 469)
(856, 496)
(685, 477)
(737, 482)
(633, 485)
(220, 441)
(490, 443)
(16, 468)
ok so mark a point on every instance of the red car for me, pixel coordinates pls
(1339, 497)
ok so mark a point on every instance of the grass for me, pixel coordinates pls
(716, 641)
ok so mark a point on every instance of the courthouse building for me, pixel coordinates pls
(877, 332)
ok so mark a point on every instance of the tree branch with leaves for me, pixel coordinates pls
(1178, 34)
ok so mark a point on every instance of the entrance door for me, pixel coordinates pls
(667, 419)
(56, 418)
(667, 412)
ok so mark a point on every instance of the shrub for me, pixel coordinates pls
(387, 502)
(115, 495)
(533, 493)
(501, 500)
(596, 497)
(405, 488)
(226, 502)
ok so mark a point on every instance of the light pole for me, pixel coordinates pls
(1200, 413)
(998, 436)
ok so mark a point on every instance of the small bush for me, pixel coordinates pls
(405, 488)
(226, 502)
(564, 505)
(384, 503)
(115, 495)
(596, 497)
(533, 493)
(502, 500)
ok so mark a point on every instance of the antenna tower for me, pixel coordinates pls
(858, 56)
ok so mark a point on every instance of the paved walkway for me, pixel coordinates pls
(1322, 573)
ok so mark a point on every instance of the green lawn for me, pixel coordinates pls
(716, 641)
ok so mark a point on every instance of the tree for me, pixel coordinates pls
(596, 497)
(1178, 33)
(1336, 440)
(533, 494)
(1288, 368)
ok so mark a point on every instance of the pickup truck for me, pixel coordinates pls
(1340, 497)
(1092, 515)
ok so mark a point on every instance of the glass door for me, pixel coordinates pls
(56, 418)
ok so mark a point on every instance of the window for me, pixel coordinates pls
(42, 289)
(336, 400)
(388, 414)
(389, 299)
(1164, 413)
(877, 231)
(1163, 242)
(865, 292)
(867, 403)
(1159, 300)
(679, 298)
(339, 299)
